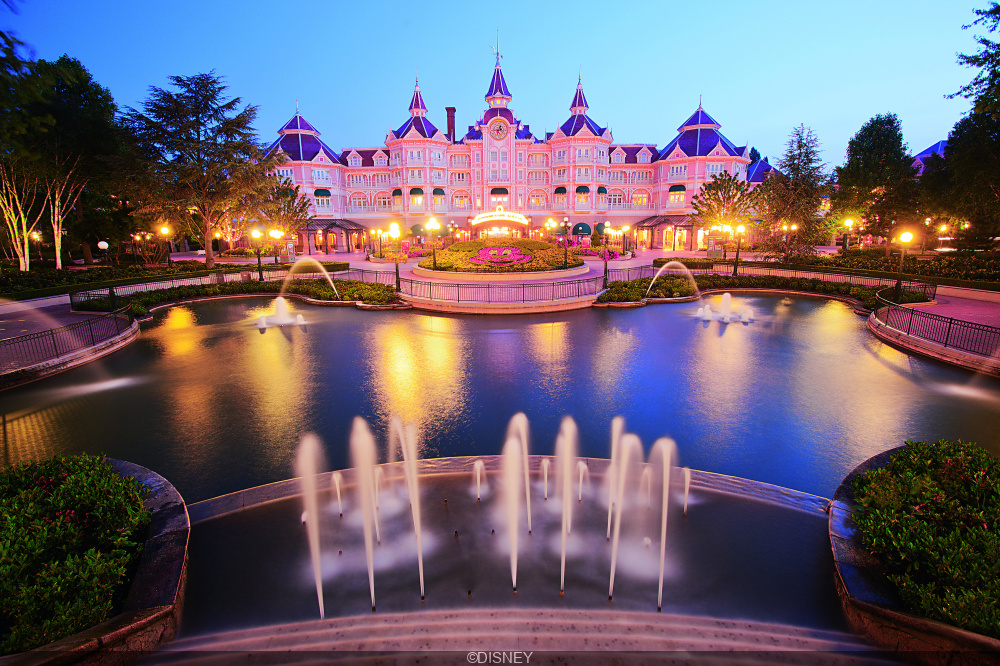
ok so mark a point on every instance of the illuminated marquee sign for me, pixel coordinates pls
(499, 215)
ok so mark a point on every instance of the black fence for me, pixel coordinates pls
(520, 292)
(957, 334)
(635, 273)
(27, 350)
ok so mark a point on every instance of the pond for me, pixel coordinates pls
(796, 398)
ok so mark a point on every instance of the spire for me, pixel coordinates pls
(579, 105)
(417, 107)
(497, 95)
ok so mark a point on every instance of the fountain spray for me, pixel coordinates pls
(511, 498)
(409, 445)
(308, 461)
(363, 459)
(667, 451)
(630, 447)
(617, 427)
(518, 427)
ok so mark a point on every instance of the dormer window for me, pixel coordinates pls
(355, 161)
(617, 158)
(643, 158)
(380, 160)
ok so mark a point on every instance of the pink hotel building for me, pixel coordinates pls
(576, 172)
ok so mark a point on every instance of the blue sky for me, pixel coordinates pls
(762, 67)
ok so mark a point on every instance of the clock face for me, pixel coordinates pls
(498, 130)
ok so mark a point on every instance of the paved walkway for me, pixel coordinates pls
(33, 320)
(966, 309)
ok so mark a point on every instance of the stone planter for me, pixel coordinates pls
(870, 601)
(152, 610)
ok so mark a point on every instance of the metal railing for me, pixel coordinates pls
(966, 336)
(25, 351)
(521, 292)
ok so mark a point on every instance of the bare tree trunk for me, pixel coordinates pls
(209, 255)
(88, 258)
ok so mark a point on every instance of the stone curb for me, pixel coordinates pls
(870, 601)
(152, 611)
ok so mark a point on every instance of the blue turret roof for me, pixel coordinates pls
(579, 99)
(417, 103)
(699, 118)
(937, 148)
(297, 123)
(498, 87)
(759, 171)
(423, 126)
(303, 147)
(577, 122)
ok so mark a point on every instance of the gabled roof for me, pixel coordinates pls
(297, 124)
(700, 142)
(498, 87)
(699, 118)
(473, 134)
(367, 155)
(632, 152)
(423, 126)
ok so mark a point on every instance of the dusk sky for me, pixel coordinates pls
(762, 67)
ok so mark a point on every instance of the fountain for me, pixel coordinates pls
(363, 458)
(673, 266)
(281, 316)
(687, 488)
(518, 429)
(480, 471)
(511, 485)
(630, 447)
(725, 314)
(666, 450)
(565, 459)
(408, 442)
(309, 260)
(545, 478)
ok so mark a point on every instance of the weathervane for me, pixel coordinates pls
(496, 49)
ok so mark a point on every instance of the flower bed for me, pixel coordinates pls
(71, 531)
(501, 256)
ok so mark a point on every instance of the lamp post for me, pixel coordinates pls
(260, 269)
(165, 232)
(276, 234)
(739, 241)
(565, 227)
(847, 238)
(37, 237)
(625, 230)
(394, 234)
(218, 240)
(904, 238)
(432, 226)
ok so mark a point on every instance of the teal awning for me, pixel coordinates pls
(438, 192)
(322, 193)
(581, 229)
(416, 190)
(397, 192)
(677, 188)
(582, 189)
(560, 190)
(602, 190)
(498, 190)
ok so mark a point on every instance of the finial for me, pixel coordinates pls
(699, 101)
(296, 107)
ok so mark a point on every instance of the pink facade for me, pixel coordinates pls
(577, 172)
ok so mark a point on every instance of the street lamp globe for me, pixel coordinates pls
(165, 231)
(256, 234)
(905, 237)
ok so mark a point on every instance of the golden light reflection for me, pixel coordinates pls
(721, 350)
(418, 371)
(182, 334)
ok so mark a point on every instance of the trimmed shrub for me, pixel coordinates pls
(71, 531)
(932, 518)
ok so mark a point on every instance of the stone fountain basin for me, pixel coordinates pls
(746, 550)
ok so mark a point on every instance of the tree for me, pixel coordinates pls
(754, 155)
(984, 89)
(876, 182)
(285, 207)
(20, 206)
(68, 153)
(725, 200)
(789, 199)
(964, 185)
(203, 154)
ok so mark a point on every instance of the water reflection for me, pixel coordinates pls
(796, 398)
(418, 372)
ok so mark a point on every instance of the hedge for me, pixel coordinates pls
(932, 518)
(459, 257)
(71, 531)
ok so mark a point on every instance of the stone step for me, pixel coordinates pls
(527, 630)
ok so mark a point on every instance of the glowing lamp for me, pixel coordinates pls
(256, 234)
(905, 237)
